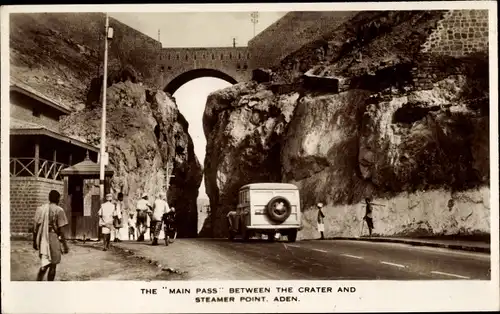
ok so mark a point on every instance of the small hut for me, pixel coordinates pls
(81, 198)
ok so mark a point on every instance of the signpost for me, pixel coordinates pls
(255, 20)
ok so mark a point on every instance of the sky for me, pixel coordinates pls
(198, 29)
(191, 105)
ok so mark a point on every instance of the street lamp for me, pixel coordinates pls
(103, 160)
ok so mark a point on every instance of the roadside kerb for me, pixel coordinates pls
(451, 246)
(131, 253)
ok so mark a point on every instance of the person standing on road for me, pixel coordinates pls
(106, 220)
(160, 207)
(368, 216)
(117, 217)
(169, 228)
(321, 220)
(48, 235)
(142, 208)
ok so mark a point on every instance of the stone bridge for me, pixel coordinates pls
(177, 66)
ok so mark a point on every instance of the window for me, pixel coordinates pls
(213, 57)
(186, 57)
(230, 56)
(36, 112)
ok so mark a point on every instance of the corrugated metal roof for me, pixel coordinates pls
(20, 127)
(86, 167)
(21, 124)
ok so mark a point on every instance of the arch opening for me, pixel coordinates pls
(185, 77)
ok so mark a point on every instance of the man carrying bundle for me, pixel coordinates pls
(368, 214)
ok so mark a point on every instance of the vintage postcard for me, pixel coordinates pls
(250, 158)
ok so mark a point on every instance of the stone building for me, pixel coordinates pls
(38, 153)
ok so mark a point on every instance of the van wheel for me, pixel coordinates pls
(292, 236)
(278, 209)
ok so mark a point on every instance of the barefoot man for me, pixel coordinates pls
(49, 224)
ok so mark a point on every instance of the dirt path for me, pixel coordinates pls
(86, 262)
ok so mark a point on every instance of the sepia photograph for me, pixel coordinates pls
(249, 145)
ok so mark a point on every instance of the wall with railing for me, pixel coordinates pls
(27, 167)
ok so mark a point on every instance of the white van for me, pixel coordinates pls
(266, 208)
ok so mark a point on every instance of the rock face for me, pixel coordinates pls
(147, 141)
(407, 128)
(244, 125)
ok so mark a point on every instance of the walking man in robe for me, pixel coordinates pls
(106, 220)
(48, 235)
(321, 220)
(160, 207)
(142, 208)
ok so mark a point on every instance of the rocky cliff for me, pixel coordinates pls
(382, 119)
(147, 140)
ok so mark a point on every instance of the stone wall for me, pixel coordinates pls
(459, 33)
(291, 32)
(173, 62)
(26, 194)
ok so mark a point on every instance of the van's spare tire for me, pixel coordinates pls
(278, 209)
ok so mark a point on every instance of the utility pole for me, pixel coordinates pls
(255, 20)
(159, 35)
(103, 157)
(234, 42)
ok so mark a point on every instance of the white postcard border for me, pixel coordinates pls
(118, 297)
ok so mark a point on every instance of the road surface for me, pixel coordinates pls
(220, 259)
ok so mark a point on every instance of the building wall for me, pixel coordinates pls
(459, 33)
(291, 32)
(22, 108)
(26, 194)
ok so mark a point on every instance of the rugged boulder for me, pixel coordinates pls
(244, 125)
(147, 140)
(407, 128)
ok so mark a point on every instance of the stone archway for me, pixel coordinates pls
(185, 77)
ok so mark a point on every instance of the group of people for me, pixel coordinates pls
(50, 222)
(110, 215)
(368, 217)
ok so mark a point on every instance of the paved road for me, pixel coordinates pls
(219, 259)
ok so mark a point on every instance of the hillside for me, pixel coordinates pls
(58, 54)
